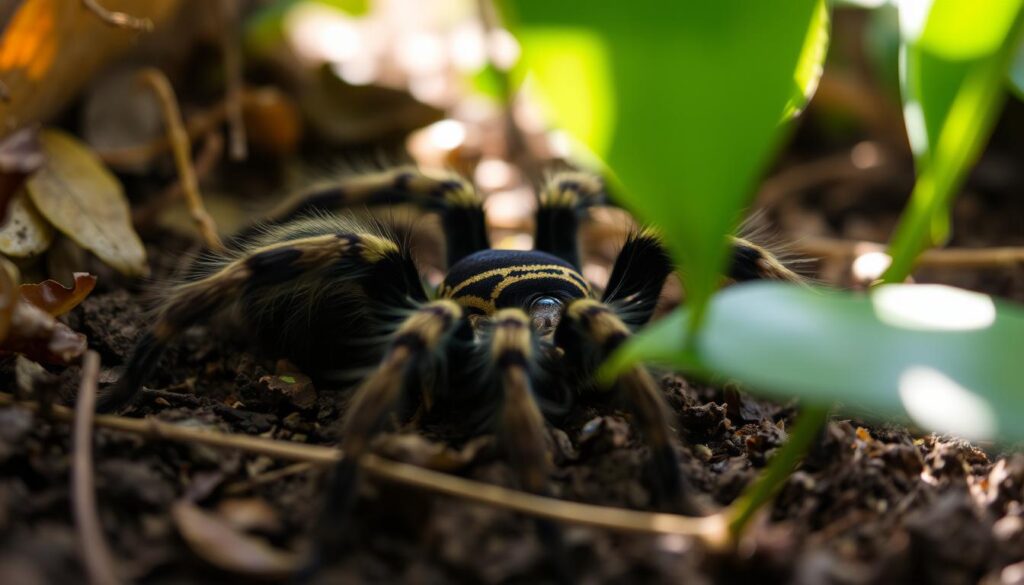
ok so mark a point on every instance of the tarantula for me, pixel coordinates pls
(515, 336)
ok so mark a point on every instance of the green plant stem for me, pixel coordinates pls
(778, 471)
(965, 131)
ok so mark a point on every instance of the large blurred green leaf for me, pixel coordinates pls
(947, 358)
(681, 99)
(953, 61)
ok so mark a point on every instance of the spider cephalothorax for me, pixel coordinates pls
(517, 333)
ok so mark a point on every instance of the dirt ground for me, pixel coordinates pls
(873, 503)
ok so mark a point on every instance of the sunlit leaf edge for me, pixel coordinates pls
(773, 337)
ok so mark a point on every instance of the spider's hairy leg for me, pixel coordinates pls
(266, 267)
(449, 195)
(562, 202)
(513, 353)
(750, 261)
(521, 424)
(418, 340)
(637, 277)
(590, 331)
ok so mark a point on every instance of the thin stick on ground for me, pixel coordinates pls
(118, 19)
(206, 160)
(233, 75)
(268, 477)
(975, 258)
(99, 563)
(711, 530)
(181, 147)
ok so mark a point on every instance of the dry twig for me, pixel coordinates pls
(96, 557)
(180, 146)
(269, 477)
(206, 160)
(976, 258)
(118, 19)
(711, 530)
(233, 75)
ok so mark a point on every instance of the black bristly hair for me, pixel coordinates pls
(300, 285)
(450, 196)
(561, 206)
(638, 275)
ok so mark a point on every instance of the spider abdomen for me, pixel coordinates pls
(489, 280)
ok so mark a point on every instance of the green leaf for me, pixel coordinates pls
(573, 68)
(811, 64)
(954, 59)
(1016, 72)
(682, 100)
(947, 358)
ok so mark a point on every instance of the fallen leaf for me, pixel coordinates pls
(344, 114)
(297, 387)
(8, 297)
(26, 233)
(214, 541)
(82, 199)
(36, 334)
(20, 156)
(50, 49)
(55, 298)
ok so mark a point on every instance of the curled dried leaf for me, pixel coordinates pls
(82, 199)
(26, 233)
(57, 299)
(213, 540)
(36, 334)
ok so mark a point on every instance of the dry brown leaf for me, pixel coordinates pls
(20, 156)
(296, 386)
(36, 334)
(57, 299)
(82, 199)
(344, 114)
(26, 233)
(213, 540)
(8, 295)
(50, 49)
